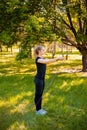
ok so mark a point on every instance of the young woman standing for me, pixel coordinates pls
(39, 79)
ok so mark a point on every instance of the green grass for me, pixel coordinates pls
(65, 99)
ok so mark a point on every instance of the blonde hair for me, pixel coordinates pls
(37, 49)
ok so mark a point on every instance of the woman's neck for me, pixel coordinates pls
(39, 55)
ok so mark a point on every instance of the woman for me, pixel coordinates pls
(40, 77)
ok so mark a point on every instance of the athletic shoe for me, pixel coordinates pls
(41, 112)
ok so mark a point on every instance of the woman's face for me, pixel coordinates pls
(42, 51)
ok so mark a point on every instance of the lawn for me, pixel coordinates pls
(65, 95)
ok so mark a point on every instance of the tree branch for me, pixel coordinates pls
(79, 14)
(65, 22)
(68, 42)
(69, 18)
(86, 17)
(71, 24)
(86, 4)
(85, 20)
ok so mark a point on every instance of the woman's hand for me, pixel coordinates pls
(59, 58)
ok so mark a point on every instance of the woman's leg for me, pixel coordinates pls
(39, 84)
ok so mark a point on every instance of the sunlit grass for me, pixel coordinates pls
(65, 95)
(9, 65)
(18, 126)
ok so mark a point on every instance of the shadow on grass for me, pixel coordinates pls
(15, 84)
(17, 68)
(16, 99)
(67, 99)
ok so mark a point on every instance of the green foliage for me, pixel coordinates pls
(54, 13)
(11, 15)
(37, 31)
(44, 21)
(5, 37)
(22, 55)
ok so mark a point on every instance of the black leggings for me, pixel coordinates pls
(39, 87)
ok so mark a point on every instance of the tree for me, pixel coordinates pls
(12, 13)
(76, 12)
(45, 20)
(71, 23)
(36, 32)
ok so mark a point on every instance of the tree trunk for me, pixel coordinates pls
(62, 50)
(83, 50)
(66, 52)
(0, 48)
(30, 52)
(84, 61)
(54, 50)
(11, 49)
